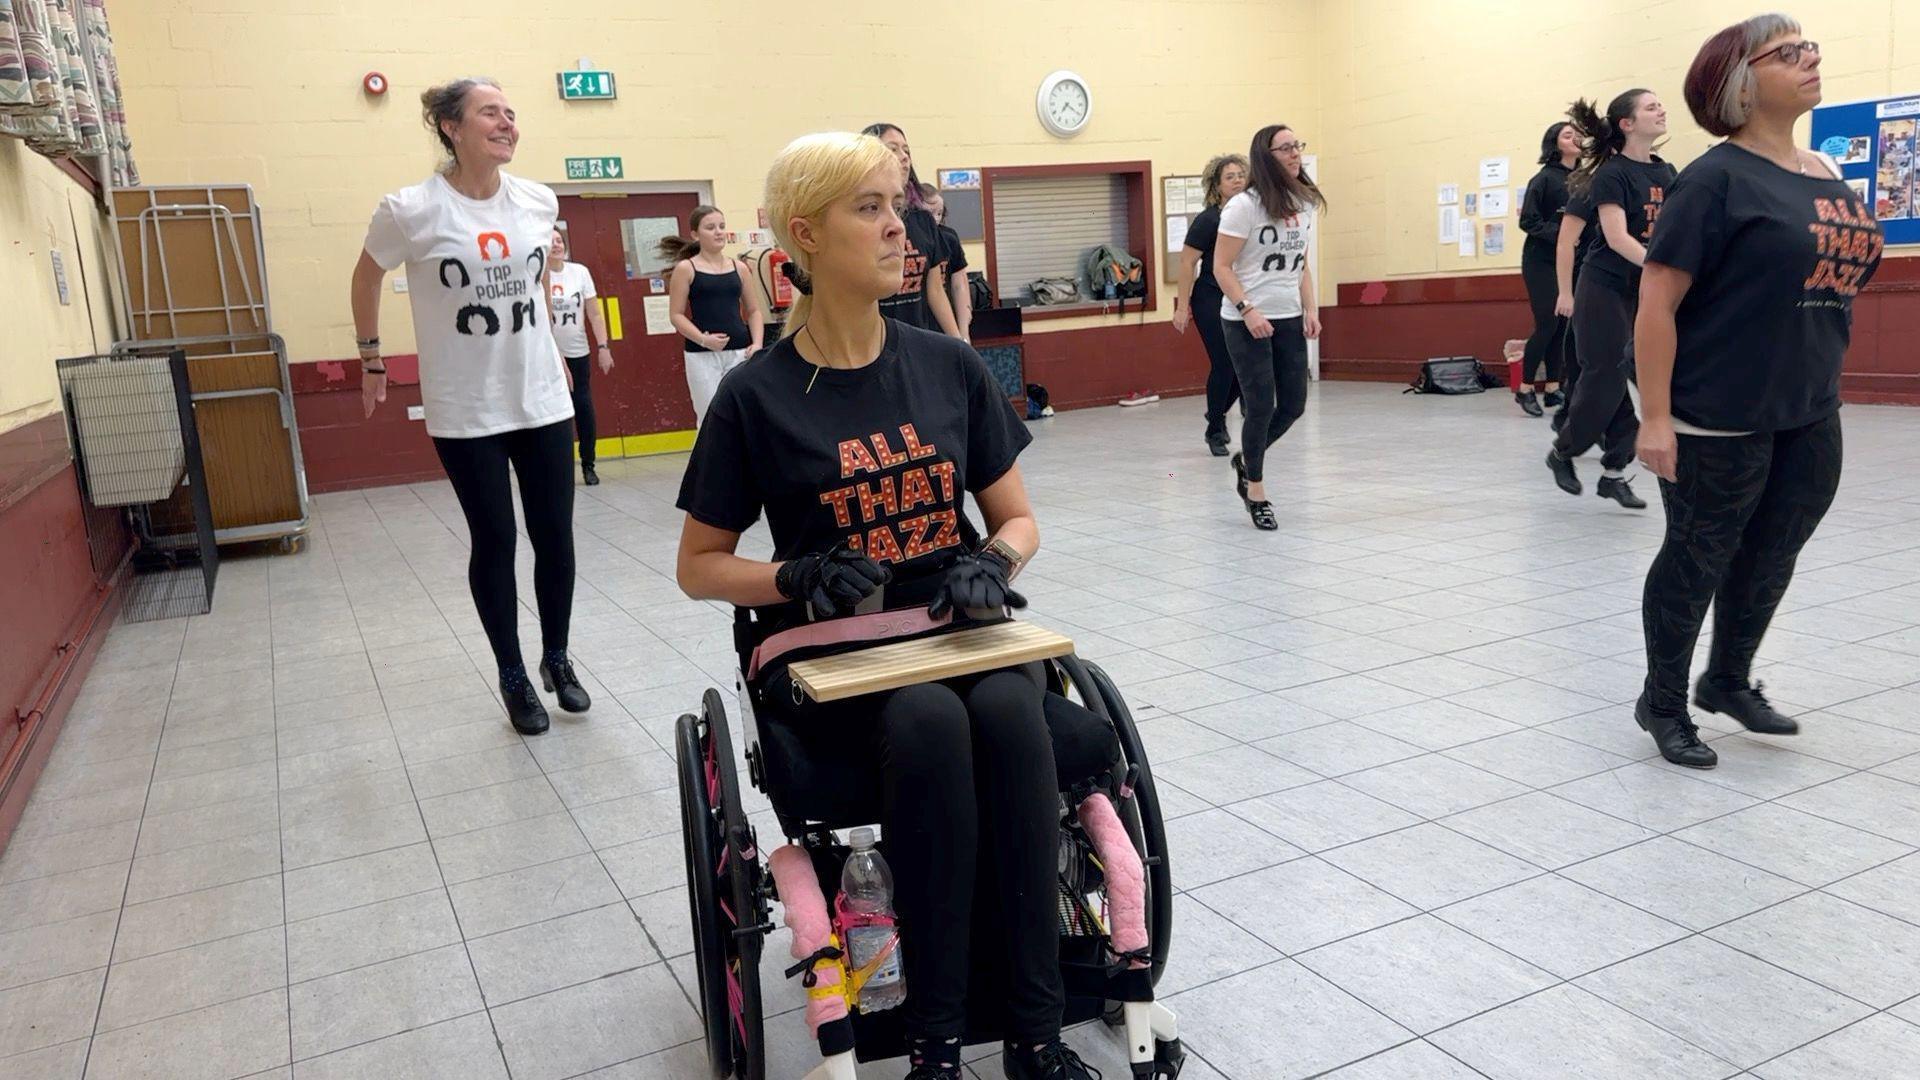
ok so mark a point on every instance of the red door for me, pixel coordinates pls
(613, 236)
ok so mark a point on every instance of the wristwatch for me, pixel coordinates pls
(1243, 305)
(1005, 553)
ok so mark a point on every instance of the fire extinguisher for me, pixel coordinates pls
(782, 288)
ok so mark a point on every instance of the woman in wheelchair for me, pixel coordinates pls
(860, 438)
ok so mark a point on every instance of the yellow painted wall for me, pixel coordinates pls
(268, 93)
(1416, 93)
(41, 210)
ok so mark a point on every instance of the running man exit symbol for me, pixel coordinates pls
(586, 85)
(594, 168)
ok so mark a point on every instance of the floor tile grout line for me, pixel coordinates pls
(106, 980)
(466, 949)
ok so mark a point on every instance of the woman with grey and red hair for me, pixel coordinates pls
(1745, 314)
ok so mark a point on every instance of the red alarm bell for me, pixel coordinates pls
(374, 83)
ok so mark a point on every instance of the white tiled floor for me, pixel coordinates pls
(1417, 831)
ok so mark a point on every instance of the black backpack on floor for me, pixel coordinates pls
(1448, 375)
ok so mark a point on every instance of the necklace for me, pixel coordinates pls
(807, 329)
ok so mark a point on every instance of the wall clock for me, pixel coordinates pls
(1065, 103)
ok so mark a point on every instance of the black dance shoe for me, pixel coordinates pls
(523, 705)
(587, 474)
(1563, 473)
(1675, 735)
(1050, 1061)
(1618, 489)
(1239, 463)
(573, 696)
(1746, 704)
(1529, 403)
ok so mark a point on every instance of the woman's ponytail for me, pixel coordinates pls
(675, 248)
(1601, 139)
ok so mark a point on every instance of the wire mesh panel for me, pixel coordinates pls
(138, 450)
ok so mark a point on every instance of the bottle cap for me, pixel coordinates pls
(861, 837)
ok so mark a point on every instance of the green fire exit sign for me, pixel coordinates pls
(586, 85)
(594, 168)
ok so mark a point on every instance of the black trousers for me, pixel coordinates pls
(1738, 514)
(970, 807)
(1544, 348)
(1273, 383)
(584, 428)
(1223, 387)
(542, 459)
(1600, 411)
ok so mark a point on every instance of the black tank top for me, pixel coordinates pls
(713, 303)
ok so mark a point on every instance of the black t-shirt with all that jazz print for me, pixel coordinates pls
(925, 250)
(879, 457)
(1638, 188)
(1776, 258)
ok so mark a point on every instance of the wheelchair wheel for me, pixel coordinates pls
(1140, 814)
(724, 894)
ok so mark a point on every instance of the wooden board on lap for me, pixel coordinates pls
(906, 663)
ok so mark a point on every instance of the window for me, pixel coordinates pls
(1042, 220)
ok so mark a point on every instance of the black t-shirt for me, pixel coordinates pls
(1776, 259)
(955, 255)
(1638, 188)
(879, 457)
(1202, 234)
(1580, 206)
(1540, 211)
(925, 250)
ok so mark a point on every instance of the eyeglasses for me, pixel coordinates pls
(1290, 148)
(1790, 52)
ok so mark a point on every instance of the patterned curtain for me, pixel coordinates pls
(59, 84)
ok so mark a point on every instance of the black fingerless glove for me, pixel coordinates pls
(832, 583)
(974, 582)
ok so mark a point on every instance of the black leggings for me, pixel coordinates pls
(970, 800)
(1544, 348)
(1600, 410)
(1273, 383)
(542, 458)
(1223, 387)
(583, 426)
(1742, 508)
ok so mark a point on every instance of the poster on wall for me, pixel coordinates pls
(1877, 146)
(1496, 243)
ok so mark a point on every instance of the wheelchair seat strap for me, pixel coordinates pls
(878, 626)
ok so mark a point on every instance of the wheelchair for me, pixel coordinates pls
(730, 888)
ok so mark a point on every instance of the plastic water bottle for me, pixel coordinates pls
(867, 918)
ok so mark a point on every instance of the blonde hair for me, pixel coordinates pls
(810, 175)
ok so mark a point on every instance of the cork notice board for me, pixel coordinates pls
(1181, 197)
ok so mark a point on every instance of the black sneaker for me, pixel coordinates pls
(1217, 442)
(523, 705)
(573, 696)
(1677, 738)
(1239, 463)
(1051, 1061)
(587, 473)
(1529, 403)
(1746, 704)
(1262, 514)
(1563, 473)
(1619, 490)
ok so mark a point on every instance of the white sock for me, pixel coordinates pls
(1614, 474)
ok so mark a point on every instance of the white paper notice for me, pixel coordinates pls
(1449, 194)
(1176, 233)
(1493, 202)
(1494, 171)
(1496, 237)
(1196, 195)
(659, 320)
(1466, 243)
(1449, 224)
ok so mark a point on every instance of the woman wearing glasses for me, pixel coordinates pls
(1268, 308)
(1745, 314)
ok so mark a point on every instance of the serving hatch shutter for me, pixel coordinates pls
(1044, 227)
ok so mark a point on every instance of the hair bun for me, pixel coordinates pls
(800, 278)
